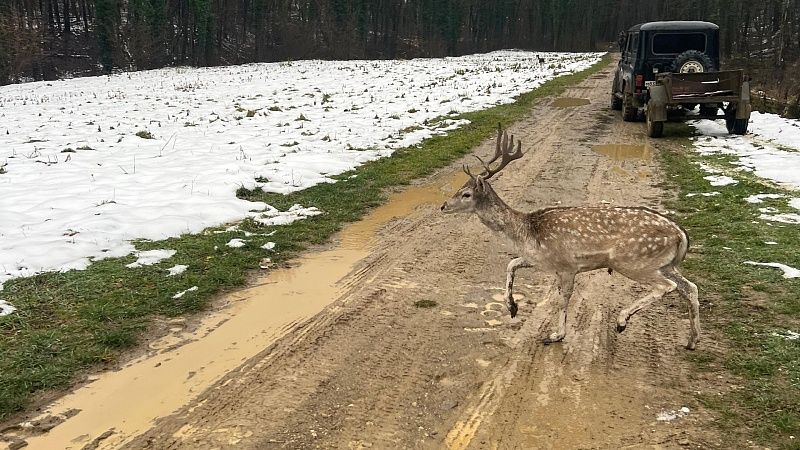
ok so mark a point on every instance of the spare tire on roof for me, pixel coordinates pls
(692, 61)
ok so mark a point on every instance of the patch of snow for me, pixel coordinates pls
(268, 246)
(720, 180)
(788, 272)
(788, 335)
(150, 257)
(775, 129)
(177, 269)
(763, 158)
(704, 194)
(182, 293)
(81, 185)
(236, 243)
(795, 203)
(759, 198)
(770, 242)
(6, 308)
(296, 212)
(669, 416)
(707, 168)
(783, 218)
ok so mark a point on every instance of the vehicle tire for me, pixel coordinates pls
(628, 110)
(616, 102)
(654, 129)
(692, 61)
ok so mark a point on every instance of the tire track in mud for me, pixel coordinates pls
(374, 371)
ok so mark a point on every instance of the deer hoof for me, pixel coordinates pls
(691, 346)
(621, 328)
(512, 308)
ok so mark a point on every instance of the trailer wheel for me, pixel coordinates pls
(738, 126)
(734, 125)
(628, 110)
(616, 102)
(654, 129)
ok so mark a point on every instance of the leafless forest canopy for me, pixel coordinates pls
(45, 39)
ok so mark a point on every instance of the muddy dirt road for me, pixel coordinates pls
(372, 370)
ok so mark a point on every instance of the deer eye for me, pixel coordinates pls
(467, 195)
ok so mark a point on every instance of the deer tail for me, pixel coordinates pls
(683, 247)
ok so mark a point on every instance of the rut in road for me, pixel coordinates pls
(373, 370)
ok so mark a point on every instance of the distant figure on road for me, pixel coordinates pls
(621, 41)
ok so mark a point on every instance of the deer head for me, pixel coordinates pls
(477, 192)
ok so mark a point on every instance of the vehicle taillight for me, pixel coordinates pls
(639, 83)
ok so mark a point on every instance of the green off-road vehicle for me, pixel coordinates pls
(669, 68)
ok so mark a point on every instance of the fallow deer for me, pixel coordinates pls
(637, 242)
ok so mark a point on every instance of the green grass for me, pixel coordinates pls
(73, 321)
(742, 304)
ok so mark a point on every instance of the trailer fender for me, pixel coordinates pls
(657, 104)
(744, 107)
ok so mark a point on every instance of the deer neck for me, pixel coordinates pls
(501, 218)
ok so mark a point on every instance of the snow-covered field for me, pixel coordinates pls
(77, 182)
(771, 151)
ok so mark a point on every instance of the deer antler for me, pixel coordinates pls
(504, 150)
(466, 170)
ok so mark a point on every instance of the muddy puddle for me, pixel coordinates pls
(570, 102)
(625, 158)
(623, 152)
(120, 405)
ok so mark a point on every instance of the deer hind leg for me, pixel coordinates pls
(661, 286)
(688, 291)
(566, 284)
(508, 295)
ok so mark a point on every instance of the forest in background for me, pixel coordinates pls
(48, 39)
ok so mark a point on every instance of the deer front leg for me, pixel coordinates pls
(566, 283)
(508, 295)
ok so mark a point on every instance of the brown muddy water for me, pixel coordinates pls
(570, 102)
(184, 364)
(626, 158)
(623, 152)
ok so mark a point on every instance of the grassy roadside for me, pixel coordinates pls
(749, 308)
(73, 321)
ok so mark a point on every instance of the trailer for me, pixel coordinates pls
(728, 91)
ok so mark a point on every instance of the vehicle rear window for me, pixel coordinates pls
(673, 43)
